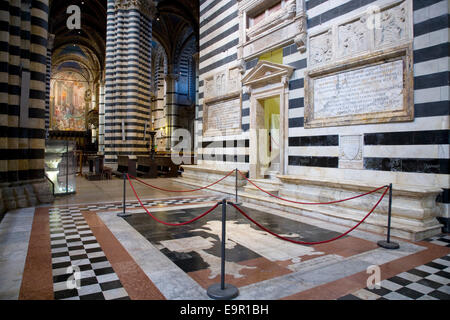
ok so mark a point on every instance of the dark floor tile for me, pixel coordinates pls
(439, 295)
(429, 283)
(88, 281)
(79, 257)
(419, 273)
(60, 254)
(98, 259)
(400, 281)
(381, 291)
(58, 246)
(89, 242)
(111, 285)
(57, 238)
(73, 240)
(64, 294)
(75, 248)
(61, 265)
(93, 250)
(85, 267)
(443, 274)
(62, 277)
(413, 294)
(99, 272)
(436, 265)
(349, 297)
(93, 296)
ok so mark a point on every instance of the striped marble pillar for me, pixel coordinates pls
(101, 119)
(23, 66)
(128, 74)
(171, 108)
(51, 39)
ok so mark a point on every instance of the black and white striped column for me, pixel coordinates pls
(128, 74)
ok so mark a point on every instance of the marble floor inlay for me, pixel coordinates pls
(80, 268)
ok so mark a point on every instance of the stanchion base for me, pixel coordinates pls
(215, 292)
(121, 215)
(388, 245)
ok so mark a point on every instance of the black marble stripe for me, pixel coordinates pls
(432, 109)
(306, 161)
(225, 144)
(21, 175)
(408, 138)
(430, 25)
(314, 141)
(436, 166)
(21, 154)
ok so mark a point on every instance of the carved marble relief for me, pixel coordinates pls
(223, 83)
(353, 37)
(321, 48)
(392, 26)
(222, 103)
(372, 30)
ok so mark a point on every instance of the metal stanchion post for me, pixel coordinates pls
(388, 244)
(222, 290)
(236, 172)
(124, 214)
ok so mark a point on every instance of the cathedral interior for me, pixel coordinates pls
(224, 149)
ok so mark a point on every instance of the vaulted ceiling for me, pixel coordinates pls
(84, 47)
(176, 21)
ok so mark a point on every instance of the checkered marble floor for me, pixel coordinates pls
(81, 271)
(80, 268)
(149, 203)
(430, 281)
(441, 240)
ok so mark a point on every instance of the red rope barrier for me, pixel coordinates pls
(311, 203)
(311, 243)
(165, 223)
(179, 191)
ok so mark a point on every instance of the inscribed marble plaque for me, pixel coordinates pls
(371, 89)
(222, 117)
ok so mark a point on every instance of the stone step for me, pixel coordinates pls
(271, 186)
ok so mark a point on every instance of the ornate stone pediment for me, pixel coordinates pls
(269, 24)
(266, 72)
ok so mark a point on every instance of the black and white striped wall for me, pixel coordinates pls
(219, 37)
(415, 153)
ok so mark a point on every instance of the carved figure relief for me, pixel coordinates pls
(321, 49)
(393, 26)
(353, 37)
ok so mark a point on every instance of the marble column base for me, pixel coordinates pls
(24, 195)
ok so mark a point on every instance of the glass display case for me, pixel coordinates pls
(61, 166)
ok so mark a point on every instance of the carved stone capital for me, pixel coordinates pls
(146, 7)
